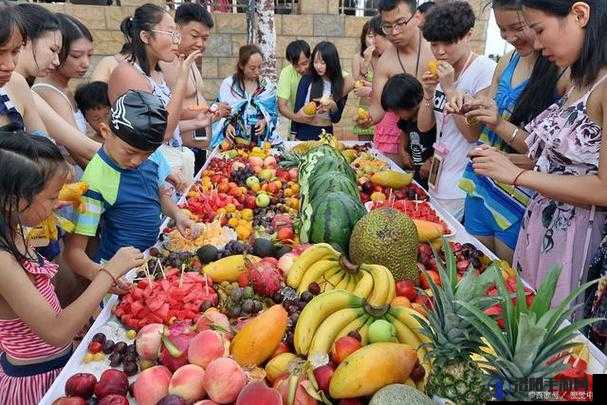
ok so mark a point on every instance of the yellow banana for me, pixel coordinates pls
(309, 256)
(405, 335)
(316, 311)
(381, 284)
(344, 282)
(355, 325)
(332, 281)
(364, 286)
(315, 271)
(327, 332)
(352, 283)
(391, 288)
(364, 331)
(406, 316)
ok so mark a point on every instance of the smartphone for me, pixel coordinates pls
(200, 134)
(435, 171)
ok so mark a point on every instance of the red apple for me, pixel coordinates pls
(112, 381)
(323, 375)
(285, 233)
(406, 288)
(113, 399)
(250, 202)
(81, 385)
(425, 283)
(343, 347)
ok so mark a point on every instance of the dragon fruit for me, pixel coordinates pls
(215, 320)
(175, 342)
(280, 220)
(264, 276)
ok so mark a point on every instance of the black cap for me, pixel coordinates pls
(139, 119)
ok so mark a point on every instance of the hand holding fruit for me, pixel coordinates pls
(125, 259)
(187, 227)
(485, 112)
(186, 62)
(302, 115)
(446, 75)
(327, 104)
(490, 162)
(363, 91)
(178, 180)
(429, 83)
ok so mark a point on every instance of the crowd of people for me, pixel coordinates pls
(510, 149)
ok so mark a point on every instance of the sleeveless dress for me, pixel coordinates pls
(562, 140)
(78, 116)
(502, 205)
(19, 341)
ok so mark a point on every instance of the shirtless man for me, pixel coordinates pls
(195, 24)
(410, 54)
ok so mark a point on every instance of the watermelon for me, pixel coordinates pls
(330, 182)
(334, 215)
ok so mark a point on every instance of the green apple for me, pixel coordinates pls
(262, 200)
(265, 174)
(382, 331)
(251, 181)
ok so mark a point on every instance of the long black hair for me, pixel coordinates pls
(10, 20)
(37, 20)
(125, 28)
(27, 163)
(541, 89)
(593, 55)
(145, 18)
(71, 30)
(363, 38)
(328, 53)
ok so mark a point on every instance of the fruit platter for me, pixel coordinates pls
(294, 293)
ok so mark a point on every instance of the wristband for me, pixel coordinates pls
(517, 177)
(104, 270)
(514, 134)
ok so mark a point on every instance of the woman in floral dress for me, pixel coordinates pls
(563, 222)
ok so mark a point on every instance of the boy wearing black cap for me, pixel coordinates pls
(125, 178)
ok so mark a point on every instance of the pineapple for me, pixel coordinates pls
(532, 336)
(454, 375)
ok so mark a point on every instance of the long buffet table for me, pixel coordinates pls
(106, 322)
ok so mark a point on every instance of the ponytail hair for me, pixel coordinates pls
(126, 27)
(145, 18)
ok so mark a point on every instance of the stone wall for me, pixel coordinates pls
(318, 20)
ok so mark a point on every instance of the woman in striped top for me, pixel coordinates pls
(35, 332)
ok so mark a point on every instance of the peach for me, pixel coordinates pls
(213, 319)
(206, 346)
(256, 161)
(258, 393)
(149, 340)
(152, 385)
(187, 383)
(223, 380)
(206, 402)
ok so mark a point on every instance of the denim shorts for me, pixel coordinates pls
(479, 221)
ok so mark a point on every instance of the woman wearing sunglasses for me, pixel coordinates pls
(155, 38)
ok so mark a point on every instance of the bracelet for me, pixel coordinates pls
(517, 176)
(514, 134)
(104, 270)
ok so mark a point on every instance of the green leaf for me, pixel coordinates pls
(528, 343)
(451, 264)
(555, 342)
(543, 298)
(508, 312)
(488, 328)
(554, 323)
(521, 304)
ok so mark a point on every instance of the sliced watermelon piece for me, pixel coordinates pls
(136, 308)
(163, 311)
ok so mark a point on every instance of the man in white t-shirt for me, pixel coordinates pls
(458, 70)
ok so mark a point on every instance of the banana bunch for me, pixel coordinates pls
(336, 313)
(325, 266)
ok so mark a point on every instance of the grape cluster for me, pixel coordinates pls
(236, 301)
(120, 354)
(232, 248)
(263, 217)
(241, 175)
(293, 304)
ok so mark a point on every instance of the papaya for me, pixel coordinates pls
(392, 178)
(310, 108)
(258, 339)
(428, 231)
(372, 367)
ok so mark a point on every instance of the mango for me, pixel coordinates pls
(372, 367)
(433, 68)
(428, 231)
(258, 339)
(392, 178)
(229, 268)
(310, 108)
